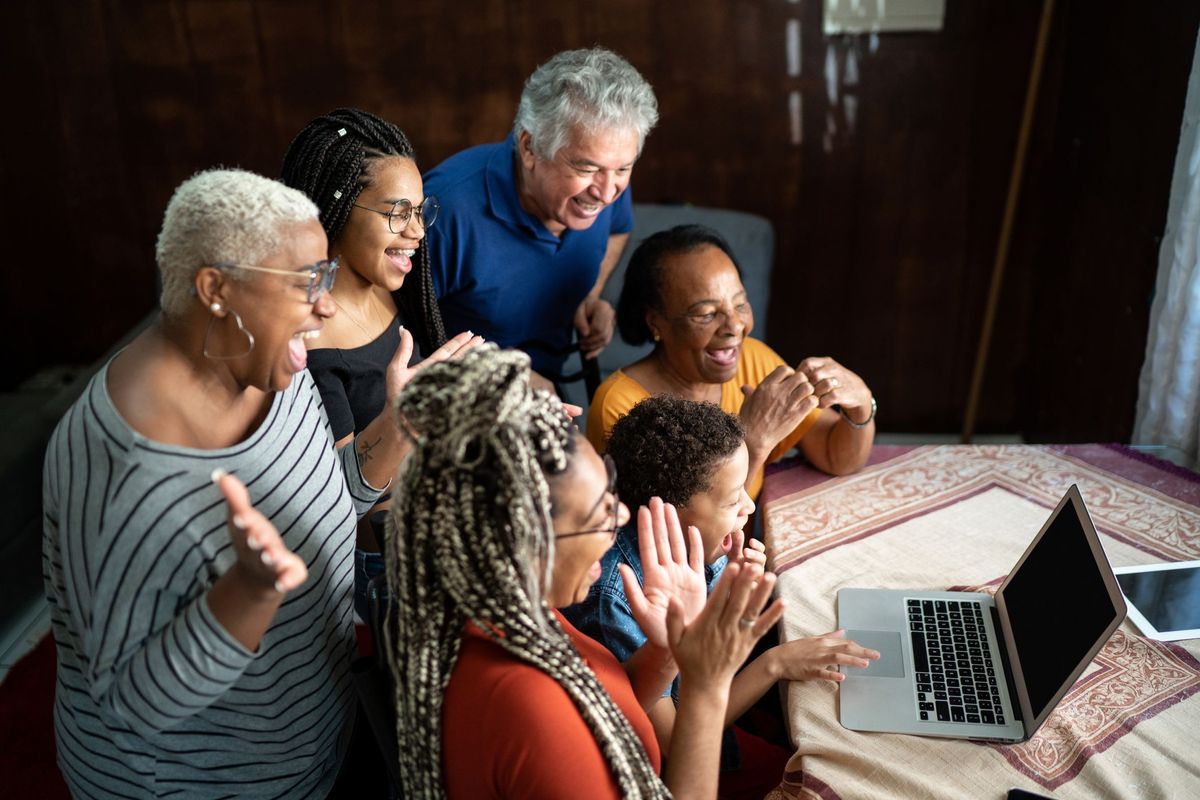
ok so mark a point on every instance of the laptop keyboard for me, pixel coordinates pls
(956, 680)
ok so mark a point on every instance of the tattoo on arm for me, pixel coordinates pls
(365, 448)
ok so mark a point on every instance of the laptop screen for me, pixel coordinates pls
(1058, 606)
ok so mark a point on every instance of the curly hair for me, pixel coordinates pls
(222, 216)
(644, 279)
(669, 447)
(472, 541)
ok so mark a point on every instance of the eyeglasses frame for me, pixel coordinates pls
(393, 215)
(610, 467)
(315, 286)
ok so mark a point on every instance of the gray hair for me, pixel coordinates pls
(595, 88)
(222, 216)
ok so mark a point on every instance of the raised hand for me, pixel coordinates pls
(262, 557)
(399, 372)
(714, 645)
(775, 407)
(818, 657)
(833, 384)
(743, 551)
(671, 571)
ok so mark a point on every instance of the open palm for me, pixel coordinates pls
(671, 569)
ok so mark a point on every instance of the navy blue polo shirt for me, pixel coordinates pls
(497, 271)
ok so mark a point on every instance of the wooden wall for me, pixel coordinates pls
(886, 212)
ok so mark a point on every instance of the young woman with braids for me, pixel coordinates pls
(502, 512)
(361, 172)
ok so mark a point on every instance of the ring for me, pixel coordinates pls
(746, 622)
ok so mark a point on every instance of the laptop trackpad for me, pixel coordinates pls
(891, 654)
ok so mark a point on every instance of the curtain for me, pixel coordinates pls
(1168, 409)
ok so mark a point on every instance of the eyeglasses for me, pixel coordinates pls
(610, 467)
(403, 210)
(320, 275)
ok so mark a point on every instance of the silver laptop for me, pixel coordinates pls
(959, 664)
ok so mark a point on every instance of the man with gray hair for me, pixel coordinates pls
(534, 225)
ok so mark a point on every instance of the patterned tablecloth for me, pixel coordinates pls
(955, 517)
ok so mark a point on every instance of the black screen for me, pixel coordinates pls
(1058, 606)
(1169, 599)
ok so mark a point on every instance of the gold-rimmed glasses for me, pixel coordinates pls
(403, 210)
(320, 275)
(610, 467)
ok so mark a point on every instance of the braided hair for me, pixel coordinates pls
(472, 541)
(328, 162)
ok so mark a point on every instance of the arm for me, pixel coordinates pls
(772, 410)
(381, 445)
(594, 318)
(833, 445)
(709, 652)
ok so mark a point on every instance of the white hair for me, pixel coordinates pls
(593, 88)
(222, 216)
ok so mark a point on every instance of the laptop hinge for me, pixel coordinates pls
(1008, 672)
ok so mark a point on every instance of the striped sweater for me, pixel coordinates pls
(154, 698)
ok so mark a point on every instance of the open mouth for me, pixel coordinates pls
(401, 258)
(586, 208)
(297, 352)
(723, 357)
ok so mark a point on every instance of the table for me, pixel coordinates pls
(958, 517)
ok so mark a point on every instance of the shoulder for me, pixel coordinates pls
(461, 173)
(613, 399)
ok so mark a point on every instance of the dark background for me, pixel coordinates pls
(886, 229)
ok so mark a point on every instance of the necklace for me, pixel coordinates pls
(370, 336)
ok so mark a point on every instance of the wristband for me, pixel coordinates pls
(859, 425)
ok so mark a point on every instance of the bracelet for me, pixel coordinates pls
(858, 426)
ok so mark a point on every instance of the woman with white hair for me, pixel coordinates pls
(532, 227)
(204, 631)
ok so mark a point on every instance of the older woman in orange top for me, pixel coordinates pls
(683, 290)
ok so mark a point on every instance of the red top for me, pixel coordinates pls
(510, 730)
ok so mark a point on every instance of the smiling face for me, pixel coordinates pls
(369, 251)
(275, 309)
(585, 176)
(584, 511)
(723, 508)
(704, 318)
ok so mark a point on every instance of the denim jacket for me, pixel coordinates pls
(606, 617)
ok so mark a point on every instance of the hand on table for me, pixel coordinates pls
(818, 657)
(671, 572)
(262, 557)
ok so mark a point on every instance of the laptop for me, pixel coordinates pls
(962, 665)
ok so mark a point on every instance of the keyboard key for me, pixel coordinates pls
(921, 696)
(939, 695)
(943, 712)
(925, 715)
(920, 660)
(927, 606)
(926, 706)
(914, 603)
(924, 687)
(988, 717)
(999, 719)
(974, 718)
(957, 714)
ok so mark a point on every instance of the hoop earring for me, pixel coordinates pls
(215, 307)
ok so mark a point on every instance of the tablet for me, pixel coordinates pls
(1164, 599)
